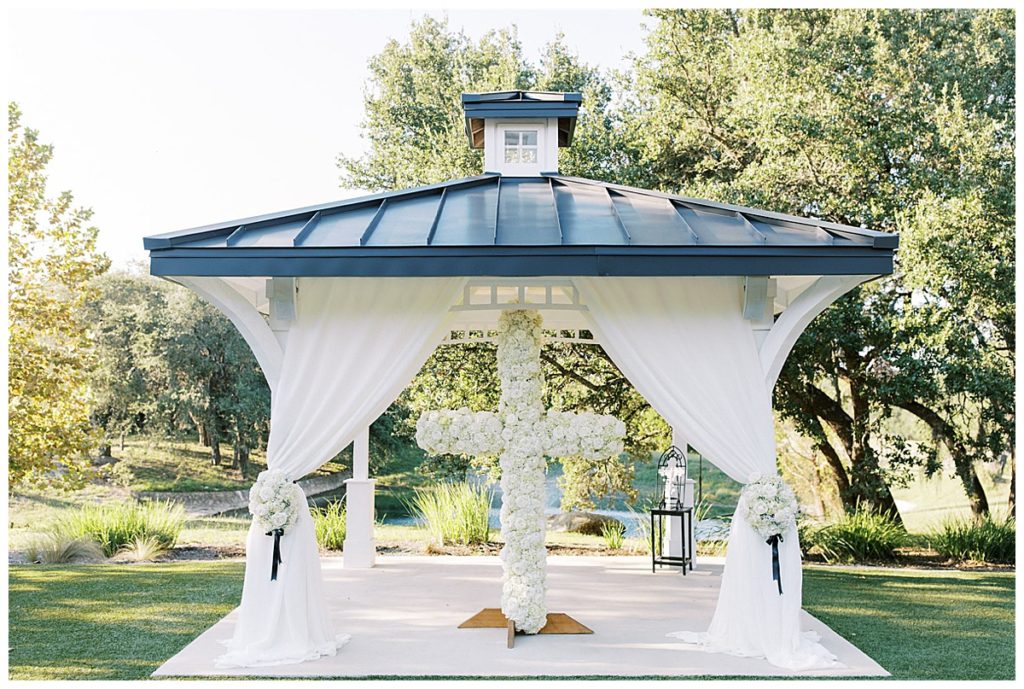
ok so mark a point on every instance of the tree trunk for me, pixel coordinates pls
(945, 433)
(867, 487)
(1013, 483)
(105, 451)
(122, 442)
(243, 461)
(215, 450)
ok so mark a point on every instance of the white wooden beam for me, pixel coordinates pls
(779, 341)
(281, 292)
(243, 314)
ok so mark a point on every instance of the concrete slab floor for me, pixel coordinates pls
(403, 616)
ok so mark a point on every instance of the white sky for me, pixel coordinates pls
(164, 120)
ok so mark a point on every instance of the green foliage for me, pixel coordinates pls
(892, 119)
(985, 540)
(167, 361)
(614, 535)
(58, 548)
(454, 513)
(51, 257)
(860, 536)
(330, 524)
(116, 525)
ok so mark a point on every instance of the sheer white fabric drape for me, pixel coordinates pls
(685, 346)
(354, 346)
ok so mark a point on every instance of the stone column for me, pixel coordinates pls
(360, 550)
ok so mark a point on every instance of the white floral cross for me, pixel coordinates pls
(522, 434)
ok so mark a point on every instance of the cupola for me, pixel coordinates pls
(520, 131)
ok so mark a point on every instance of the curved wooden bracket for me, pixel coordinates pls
(249, 322)
(811, 302)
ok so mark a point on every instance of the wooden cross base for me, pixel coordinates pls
(492, 618)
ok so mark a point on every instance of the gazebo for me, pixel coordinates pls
(697, 302)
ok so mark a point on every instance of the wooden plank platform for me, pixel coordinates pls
(558, 622)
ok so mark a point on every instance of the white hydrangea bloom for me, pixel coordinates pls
(274, 501)
(768, 505)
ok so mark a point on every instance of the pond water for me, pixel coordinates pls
(391, 508)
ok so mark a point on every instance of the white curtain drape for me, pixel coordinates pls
(354, 346)
(685, 346)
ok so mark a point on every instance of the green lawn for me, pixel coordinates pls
(122, 622)
(920, 624)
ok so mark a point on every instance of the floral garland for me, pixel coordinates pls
(458, 432)
(274, 504)
(521, 413)
(770, 507)
(594, 436)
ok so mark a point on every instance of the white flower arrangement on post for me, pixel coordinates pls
(521, 411)
(274, 504)
(770, 507)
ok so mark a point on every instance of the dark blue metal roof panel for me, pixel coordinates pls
(278, 234)
(342, 228)
(481, 218)
(587, 216)
(468, 217)
(526, 212)
(652, 221)
(404, 222)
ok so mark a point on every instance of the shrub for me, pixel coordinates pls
(330, 524)
(614, 534)
(142, 549)
(55, 548)
(454, 513)
(116, 525)
(861, 536)
(987, 540)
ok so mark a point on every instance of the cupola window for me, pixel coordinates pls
(521, 146)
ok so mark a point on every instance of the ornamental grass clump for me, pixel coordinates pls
(330, 524)
(454, 513)
(114, 526)
(614, 534)
(142, 549)
(986, 540)
(56, 548)
(861, 536)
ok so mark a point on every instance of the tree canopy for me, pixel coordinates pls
(52, 256)
(896, 120)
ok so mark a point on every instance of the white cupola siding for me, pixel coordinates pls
(521, 148)
(520, 131)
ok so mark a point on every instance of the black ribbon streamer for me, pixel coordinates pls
(276, 533)
(774, 541)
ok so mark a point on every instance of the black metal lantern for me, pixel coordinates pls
(671, 482)
(672, 475)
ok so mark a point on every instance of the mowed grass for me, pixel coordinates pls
(122, 622)
(919, 624)
(112, 621)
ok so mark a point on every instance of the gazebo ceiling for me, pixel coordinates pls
(494, 225)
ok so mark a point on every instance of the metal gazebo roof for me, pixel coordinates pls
(494, 225)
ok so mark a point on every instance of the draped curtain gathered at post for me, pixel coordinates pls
(354, 346)
(685, 346)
